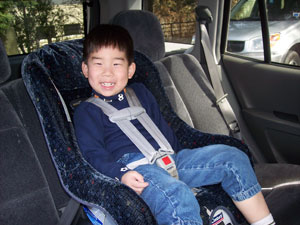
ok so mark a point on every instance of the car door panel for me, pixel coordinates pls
(269, 100)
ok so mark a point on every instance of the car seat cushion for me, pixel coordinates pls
(53, 78)
(23, 184)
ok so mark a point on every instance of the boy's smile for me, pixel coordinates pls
(108, 70)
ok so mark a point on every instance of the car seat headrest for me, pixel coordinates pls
(4, 64)
(145, 30)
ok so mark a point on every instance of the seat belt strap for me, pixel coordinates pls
(214, 72)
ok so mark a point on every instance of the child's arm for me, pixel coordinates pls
(89, 129)
(135, 181)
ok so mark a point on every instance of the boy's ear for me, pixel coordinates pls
(85, 69)
(131, 70)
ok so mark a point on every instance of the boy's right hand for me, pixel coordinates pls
(135, 181)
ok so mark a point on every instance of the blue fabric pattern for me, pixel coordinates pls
(55, 70)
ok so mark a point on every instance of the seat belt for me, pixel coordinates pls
(204, 17)
(135, 111)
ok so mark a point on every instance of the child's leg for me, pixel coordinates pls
(254, 209)
(170, 200)
(228, 166)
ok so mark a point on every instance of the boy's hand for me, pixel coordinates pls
(135, 181)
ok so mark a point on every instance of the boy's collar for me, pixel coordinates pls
(118, 97)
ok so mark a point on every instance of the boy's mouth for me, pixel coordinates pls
(105, 84)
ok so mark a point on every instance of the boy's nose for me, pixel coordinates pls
(107, 71)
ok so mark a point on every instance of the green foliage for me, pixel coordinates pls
(6, 19)
(34, 20)
(29, 21)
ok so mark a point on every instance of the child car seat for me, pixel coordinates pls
(53, 78)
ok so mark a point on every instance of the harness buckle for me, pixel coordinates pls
(166, 162)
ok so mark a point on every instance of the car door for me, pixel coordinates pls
(266, 87)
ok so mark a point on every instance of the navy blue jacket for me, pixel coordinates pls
(102, 142)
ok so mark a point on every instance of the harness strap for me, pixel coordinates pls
(148, 124)
(135, 111)
(127, 127)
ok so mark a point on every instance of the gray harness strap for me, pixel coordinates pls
(135, 111)
(148, 124)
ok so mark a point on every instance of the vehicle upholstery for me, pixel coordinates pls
(30, 189)
(184, 80)
(31, 192)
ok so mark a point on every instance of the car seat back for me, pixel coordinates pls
(186, 84)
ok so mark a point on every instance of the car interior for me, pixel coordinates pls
(45, 180)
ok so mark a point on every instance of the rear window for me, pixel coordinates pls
(28, 25)
(177, 19)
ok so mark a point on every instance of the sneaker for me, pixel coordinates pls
(221, 216)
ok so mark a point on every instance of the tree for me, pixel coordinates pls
(35, 20)
(30, 21)
(6, 19)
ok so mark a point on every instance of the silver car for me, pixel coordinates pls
(245, 36)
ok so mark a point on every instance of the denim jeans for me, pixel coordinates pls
(172, 202)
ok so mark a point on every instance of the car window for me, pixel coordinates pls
(28, 25)
(177, 20)
(245, 33)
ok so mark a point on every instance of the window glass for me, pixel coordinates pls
(28, 25)
(177, 20)
(245, 35)
(284, 28)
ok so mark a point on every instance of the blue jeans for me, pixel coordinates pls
(172, 201)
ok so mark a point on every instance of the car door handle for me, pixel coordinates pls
(287, 116)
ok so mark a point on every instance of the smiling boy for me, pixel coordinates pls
(108, 70)
(108, 64)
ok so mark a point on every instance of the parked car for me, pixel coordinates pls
(244, 36)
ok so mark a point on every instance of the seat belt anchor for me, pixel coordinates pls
(234, 127)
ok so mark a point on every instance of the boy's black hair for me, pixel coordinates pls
(105, 35)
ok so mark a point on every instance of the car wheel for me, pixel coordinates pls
(292, 58)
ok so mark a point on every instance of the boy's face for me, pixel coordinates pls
(108, 71)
